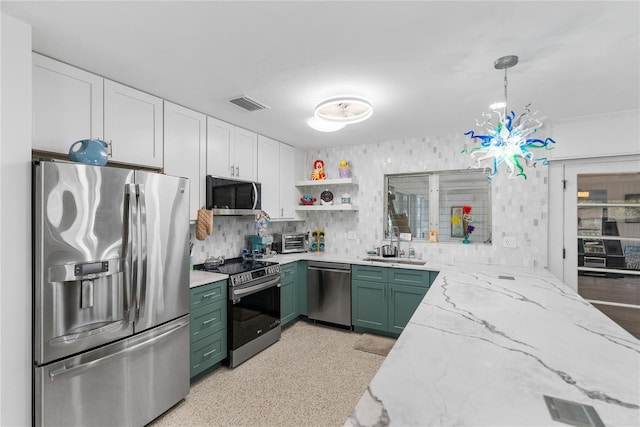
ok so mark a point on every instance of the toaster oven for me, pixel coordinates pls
(286, 243)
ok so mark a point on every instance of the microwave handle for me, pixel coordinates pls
(254, 195)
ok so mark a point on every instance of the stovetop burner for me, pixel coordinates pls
(237, 265)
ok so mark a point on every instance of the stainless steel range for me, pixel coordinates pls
(253, 321)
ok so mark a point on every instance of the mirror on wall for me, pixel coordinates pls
(439, 206)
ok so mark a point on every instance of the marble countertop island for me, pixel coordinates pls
(486, 344)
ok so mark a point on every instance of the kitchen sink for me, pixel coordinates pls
(395, 260)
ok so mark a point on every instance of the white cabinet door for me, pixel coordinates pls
(185, 150)
(246, 155)
(67, 105)
(133, 125)
(268, 175)
(287, 181)
(220, 140)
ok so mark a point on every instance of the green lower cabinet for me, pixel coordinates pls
(301, 288)
(402, 304)
(288, 300)
(369, 305)
(208, 352)
(384, 299)
(207, 326)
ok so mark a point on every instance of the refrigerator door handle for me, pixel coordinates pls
(129, 271)
(143, 251)
(135, 243)
(64, 371)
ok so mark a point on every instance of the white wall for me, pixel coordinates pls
(603, 135)
(15, 223)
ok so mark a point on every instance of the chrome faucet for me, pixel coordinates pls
(396, 233)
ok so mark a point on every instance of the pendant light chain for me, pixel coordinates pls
(505, 91)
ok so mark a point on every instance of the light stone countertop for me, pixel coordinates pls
(482, 350)
(199, 278)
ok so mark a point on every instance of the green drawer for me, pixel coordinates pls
(207, 294)
(369, 273)
(207, 320)
(401, 276)
(207, 352)
(288, 273)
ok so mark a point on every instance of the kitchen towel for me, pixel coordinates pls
(204, 224)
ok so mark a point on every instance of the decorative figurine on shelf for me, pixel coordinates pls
(345, 169)
(262, 223)
(318, 171)
(317, 244)
(307, 200)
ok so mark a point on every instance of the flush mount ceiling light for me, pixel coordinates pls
(509, 140)
(323, 125)
(344, 109)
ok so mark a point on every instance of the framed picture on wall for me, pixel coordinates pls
(632, 214)
(456, 222)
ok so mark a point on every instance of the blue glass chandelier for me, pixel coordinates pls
(510, 140)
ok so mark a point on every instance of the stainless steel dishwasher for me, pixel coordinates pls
(329, 292)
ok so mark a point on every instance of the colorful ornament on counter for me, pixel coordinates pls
(344, 170)
(262, 223)
(508, 142)
(318, 171)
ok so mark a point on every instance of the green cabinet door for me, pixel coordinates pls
(301, 287)
(369, 304)
(288, 311)
(403, 302)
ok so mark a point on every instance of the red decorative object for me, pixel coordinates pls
(318, 171)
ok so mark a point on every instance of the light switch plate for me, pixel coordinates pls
(510, 242)
(352, 235)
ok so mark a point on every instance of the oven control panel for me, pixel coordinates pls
(248, 276)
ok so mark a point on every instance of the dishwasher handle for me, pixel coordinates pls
(333, 270)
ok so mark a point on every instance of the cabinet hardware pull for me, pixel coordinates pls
(209, 295)
(232, 170)
(209, 321)
(110, 151)
(208, 353)
(237, 170)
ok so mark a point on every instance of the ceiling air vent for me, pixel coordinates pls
(247, 103)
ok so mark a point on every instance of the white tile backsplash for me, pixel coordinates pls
(519, 206)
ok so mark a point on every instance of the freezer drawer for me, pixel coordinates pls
(128, 383)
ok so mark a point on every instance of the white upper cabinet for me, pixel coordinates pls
(246, 154)
(133, 125)
(287, 181)
(220, 138)
(276, 175)
(67, 105)
(268, 165)
(185, 151)
(232, 152)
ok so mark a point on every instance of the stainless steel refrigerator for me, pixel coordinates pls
(111, 294)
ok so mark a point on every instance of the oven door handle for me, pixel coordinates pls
(253, 289)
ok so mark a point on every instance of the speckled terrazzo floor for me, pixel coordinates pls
(312, 377)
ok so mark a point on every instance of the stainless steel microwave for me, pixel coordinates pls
(287, 243)
(233, 197)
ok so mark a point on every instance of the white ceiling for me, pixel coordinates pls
(427, 66)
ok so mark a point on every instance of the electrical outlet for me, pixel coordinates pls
(351, 235)
(510, 241)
